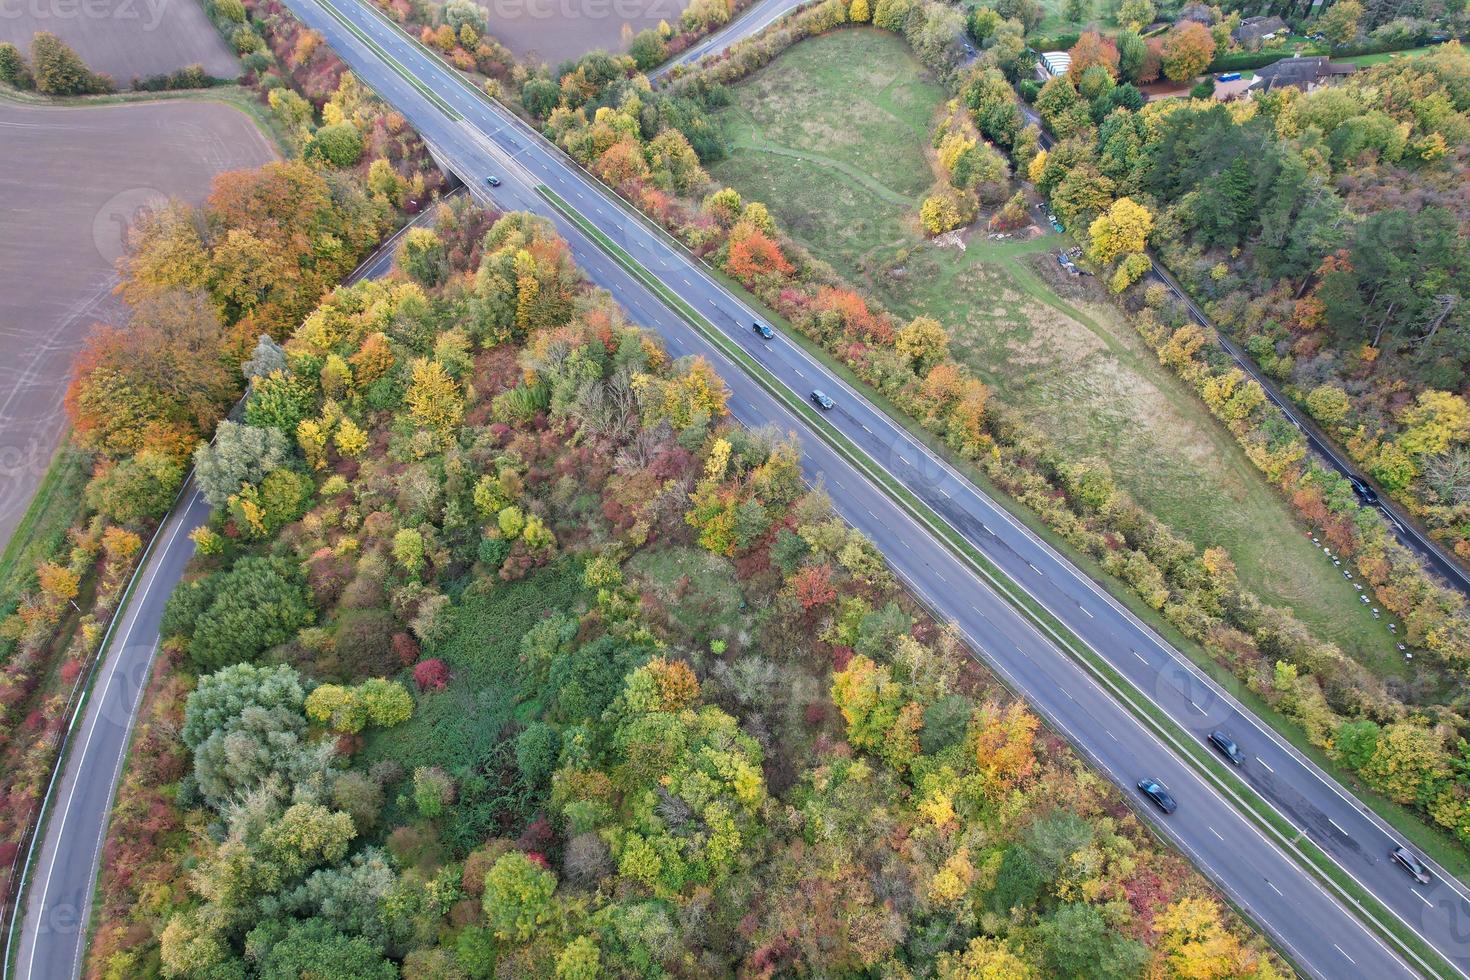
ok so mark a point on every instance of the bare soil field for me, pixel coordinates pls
(70, 181)
(554, 30)
(126, 39)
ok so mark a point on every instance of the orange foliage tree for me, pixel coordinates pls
(755, 257)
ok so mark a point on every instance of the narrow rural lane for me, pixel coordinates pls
(62, 867)
(753, 20)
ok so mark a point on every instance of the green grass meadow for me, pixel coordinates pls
(833, 136)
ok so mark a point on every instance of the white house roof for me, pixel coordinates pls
(1057, 62)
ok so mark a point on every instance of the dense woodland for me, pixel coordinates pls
(201, 286)
(507, 654)
(1404, 740)
(1325, 230)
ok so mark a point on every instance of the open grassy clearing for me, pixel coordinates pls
(1056, 351)
(1364, 60)
(1054, 21)
(41, 532)
(462, 725)
(699, 593)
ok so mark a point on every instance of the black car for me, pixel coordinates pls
(1155, 791)
(1365, 493)
(493, 180)
(1227, 747)
(763, 331)
(1406, 859)
(821, 400)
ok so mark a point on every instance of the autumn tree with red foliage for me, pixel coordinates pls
(813, 586)
(755, 257)
(1093, 49)
(431, 675)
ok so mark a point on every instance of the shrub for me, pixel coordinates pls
(365, 644)
(339, 144)
(13, 68)
(431, 675)
(136, 489)
(258, 604)
(517, 898)
(59, 71)
(537, 751)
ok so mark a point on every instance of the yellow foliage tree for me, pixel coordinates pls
(939, 213)
(859, 12)
(984, 959)
(923, 342)
(61, 584)
(1197, 945)
(1129, 271)
(1436, 421)
(953, 879)
(1124, 228)
(312, 439)
(350, 439)
(1004, 744)
(434, 398)
(1036, 167)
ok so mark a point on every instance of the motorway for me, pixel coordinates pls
(1320, 935)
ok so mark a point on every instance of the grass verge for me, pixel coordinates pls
(42, 529)
(1212, 770)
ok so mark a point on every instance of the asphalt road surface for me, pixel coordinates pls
(1321, 935)
(754, 20)
(59, 898)
(65, 864)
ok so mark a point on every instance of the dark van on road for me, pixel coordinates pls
(1156, 792)
(1227, 747)
(1405, 859)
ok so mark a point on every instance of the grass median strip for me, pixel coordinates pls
(1308, 855)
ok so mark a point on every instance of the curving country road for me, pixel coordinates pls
(475, 138)
(755, 19)
(63, 864)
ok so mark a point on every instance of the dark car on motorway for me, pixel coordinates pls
(1155, 791)
(1405, 858)
(493, 180)
(820, 399)
(1227, 747)
(1365, 493)
(763, 331)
